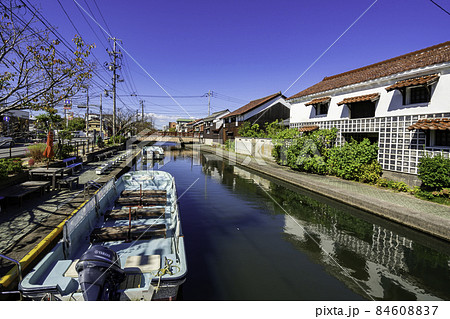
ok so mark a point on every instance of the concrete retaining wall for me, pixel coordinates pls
(256, 147)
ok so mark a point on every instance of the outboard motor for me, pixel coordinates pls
(99, 273)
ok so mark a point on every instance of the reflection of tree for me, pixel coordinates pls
(429, 267)
(310, 210)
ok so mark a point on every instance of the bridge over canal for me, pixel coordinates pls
(174, 137)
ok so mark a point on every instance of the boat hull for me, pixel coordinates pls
(150, 244)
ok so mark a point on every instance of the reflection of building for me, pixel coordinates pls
(15, 123)
(371, 262)
(401, 103)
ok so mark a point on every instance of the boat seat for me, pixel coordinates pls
(125, 233)
(144, 201)
(136, 213)
(145, 192)
(71, 271)
(133, 265)
(142, 264)
(145, 197)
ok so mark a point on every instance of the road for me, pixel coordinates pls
(19, 150)
(16, 151)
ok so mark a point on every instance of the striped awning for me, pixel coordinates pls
(319, 100)
(309, 128)
(431, 124)
(422, 80)
(362, 98)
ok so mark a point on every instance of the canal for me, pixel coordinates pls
(251, 238)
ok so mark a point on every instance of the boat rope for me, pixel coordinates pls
(167, 269)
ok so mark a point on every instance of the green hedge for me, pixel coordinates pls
(355, 161)
(434, 172)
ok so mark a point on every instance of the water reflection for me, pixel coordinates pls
(372, 257)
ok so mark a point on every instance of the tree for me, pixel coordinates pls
(34, 74)
(49, 120)
(126, 122)
(77, 124)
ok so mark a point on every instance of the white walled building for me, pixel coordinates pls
(402, 103)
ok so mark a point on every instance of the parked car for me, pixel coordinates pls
(6, 141)
(78, 134)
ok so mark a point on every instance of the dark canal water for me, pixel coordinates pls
(251, 238)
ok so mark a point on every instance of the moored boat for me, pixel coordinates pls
(155, 152)
(125, 243)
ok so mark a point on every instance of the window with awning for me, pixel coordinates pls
(437, 131)
(415, 90)
(320, 104)
(361, 106)
(308, 128)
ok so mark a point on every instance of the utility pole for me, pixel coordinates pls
(209, 102)
(101, 117)
(142, 105)
(87, 110)
(113, 67)
(135, 124)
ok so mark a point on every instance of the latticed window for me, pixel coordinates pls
(419, 94)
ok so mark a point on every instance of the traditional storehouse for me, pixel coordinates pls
(402, 103)
(214, 127)
(260, 111)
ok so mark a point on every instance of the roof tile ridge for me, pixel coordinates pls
(397, 58)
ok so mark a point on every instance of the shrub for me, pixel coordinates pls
(10, 166)
(309, 152)
(36, 151)
(229, 145)
(370, 173)
(400, 186)
(64, 151)
(116, 139)
(250, 130)
(434, 172)
(383, 182)
(353, 159)
(31, 162)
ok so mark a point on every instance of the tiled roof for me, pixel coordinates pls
(361, 98)
(319, 100)
(214, 115)
(431, 124)
(418, 59)
(426, 79)
(309, 128)
(253, 104)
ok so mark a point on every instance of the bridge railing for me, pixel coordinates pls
(176, 134)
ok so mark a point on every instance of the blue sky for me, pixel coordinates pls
(244, 50)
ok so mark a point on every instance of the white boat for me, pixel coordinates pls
(124, 244)
(155, 152)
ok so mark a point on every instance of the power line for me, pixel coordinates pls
(47, 24)
(332, 44)
(104, 21)
(440, 7)
(174, 96)
(135, 61)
